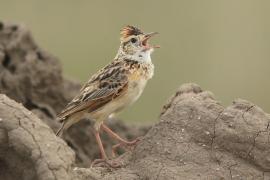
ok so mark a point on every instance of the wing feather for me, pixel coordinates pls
(110, 83)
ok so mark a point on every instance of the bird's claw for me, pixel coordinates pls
(129, 145)
(106, 163)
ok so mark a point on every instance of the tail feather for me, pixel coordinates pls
(60, 130)
(67, 122)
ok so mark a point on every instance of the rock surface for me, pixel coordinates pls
(195, 138)
(30, 75)
(28, 148)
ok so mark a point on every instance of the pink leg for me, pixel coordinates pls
(100, 145)
(117, 137)
(104, 159)
(123, 143)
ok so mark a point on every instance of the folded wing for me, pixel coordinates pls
(110, 83)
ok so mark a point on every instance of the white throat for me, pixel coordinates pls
(142, 56)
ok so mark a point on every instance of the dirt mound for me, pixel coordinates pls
(33, 77)
(30, 75)
(28, 148)
(196, 138)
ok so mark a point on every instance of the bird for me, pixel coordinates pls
(116, 86)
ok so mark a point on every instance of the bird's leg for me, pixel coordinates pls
(117, 137)
(104, 159)
(100, 145)
(123, 143)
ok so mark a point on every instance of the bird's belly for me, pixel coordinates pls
(134, 91)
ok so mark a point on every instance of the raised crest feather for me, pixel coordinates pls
(130, 30)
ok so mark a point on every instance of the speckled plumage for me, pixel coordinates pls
(117, 85)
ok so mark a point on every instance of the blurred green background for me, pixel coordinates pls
(223, 45)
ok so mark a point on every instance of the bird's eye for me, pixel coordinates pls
(133, 40)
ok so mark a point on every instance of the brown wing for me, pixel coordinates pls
(110, 83)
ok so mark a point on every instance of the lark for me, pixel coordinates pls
(116, 86)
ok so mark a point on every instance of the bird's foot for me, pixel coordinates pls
(127, 145)
(106, 163)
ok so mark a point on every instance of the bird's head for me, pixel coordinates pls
(134, 43)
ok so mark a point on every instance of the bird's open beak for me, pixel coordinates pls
(145, 39)
(150, 34)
